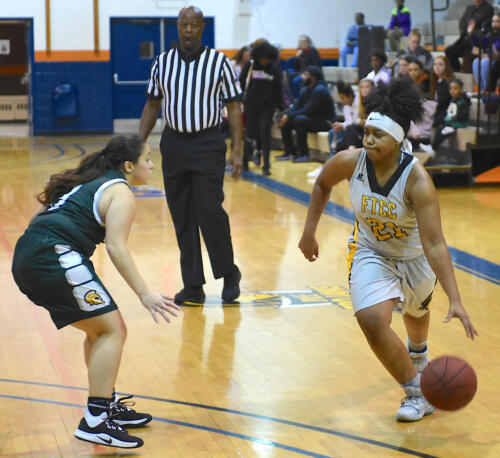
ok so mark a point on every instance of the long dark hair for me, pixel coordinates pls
(448, 75)
(399, 100)
(119, 149)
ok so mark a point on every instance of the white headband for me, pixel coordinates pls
(386, 124)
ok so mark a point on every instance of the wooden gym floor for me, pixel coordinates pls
(286, 373)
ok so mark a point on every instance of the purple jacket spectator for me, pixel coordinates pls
(401, 18)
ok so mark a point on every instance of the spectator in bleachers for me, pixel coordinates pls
(378, 59)
(400, 24)
(400, 68)
(260, 81)
(419, 76)
(414, 49)
(365, 88)
(477, 15)
(313, 111)
(351, 45)
(420, 132)
(306, 55)
(240, 59)
(484, 47)
(457, 116)
(441, 76)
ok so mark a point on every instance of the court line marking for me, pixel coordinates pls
(467, 262)
(258, 440)
(233, 411)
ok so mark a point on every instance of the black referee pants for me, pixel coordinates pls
(193, 168)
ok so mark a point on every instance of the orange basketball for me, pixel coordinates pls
(448, 383)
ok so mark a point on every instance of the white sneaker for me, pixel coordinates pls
(315, 173)
(427, 149)
(413, 406)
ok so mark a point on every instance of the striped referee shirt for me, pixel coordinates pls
(193, 88)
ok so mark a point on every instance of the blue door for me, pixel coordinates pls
(134, 45)
(135, 42)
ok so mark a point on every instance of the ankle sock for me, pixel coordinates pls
(414, 382)
(97, 405)
(417, 347)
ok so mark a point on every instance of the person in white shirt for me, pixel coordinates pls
(378, 59)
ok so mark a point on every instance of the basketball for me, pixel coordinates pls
(448, 383)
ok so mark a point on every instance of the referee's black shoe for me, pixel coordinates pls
(190, 295)
(231, 290)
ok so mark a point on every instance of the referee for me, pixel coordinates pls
(194, 82)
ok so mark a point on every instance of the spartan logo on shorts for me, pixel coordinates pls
(89, 294)
(93, 298)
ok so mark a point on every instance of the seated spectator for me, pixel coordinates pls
(457, 116)
(379, 72)
(484, 49)
(240, 59)
(419, 76)
(313, 111)
(400, 68)
(306, 55)
(353, 134)
(420, 132)
(400, 24)
(350, 132)
(441, 75)
(260, 81)
(351, 45)
(415, 50)
(476, 15)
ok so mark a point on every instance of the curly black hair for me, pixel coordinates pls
(399, 100)
(264, 50)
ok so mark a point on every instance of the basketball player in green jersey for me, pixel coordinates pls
(82, 207)
(397, 248)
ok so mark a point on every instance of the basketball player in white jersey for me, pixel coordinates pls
(397, 248)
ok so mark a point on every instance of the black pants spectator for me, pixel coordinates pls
(494, 75)
(302, 124)
(353, 136)
(461, 48)
(258, 123)
(193, 172)
(440, 137)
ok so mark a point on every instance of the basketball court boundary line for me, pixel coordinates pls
(467, 262)
(319, 429)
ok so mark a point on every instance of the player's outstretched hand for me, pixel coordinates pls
(159, 303)
(309, 247)
(457, 310)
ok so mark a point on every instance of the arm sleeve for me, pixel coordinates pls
(464, 20)
(231, 89)
(483, 15)
(153, 88)
(277, 93)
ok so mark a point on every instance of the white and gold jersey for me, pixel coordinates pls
(385, 220)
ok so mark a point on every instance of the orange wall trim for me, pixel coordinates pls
(89, 55)
(71, 56)
(286, 53)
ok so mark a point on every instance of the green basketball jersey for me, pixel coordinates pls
(74, 218)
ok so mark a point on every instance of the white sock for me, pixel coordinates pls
(414, 382)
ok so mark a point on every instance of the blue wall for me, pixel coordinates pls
(93, 84)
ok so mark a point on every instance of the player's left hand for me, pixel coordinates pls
(457, 310)
(161, 304)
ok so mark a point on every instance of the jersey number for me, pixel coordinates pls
(385, 231)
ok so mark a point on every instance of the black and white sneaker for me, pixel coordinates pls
(106, 432)
(123, 415)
